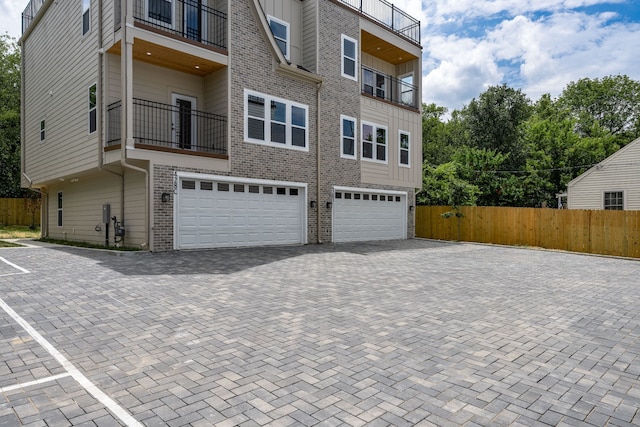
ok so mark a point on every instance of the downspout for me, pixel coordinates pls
(126, 129)
(319, 204)
(102, 99)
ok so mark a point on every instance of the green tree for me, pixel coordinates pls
(494, 121)
(611, 104)
(9, 118)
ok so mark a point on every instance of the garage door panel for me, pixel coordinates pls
(209, 216)
(360, 217)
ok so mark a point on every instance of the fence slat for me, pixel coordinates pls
(18, 212)
(589, 231)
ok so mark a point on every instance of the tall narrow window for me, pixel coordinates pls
(407, 90)
(614, 200)
(348, 132)
(404, 148)
(349, 57)
(86, 16)
(60, 209)
(42, 130)
(93, 109)
(280, 30)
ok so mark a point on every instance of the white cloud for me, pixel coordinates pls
(11, 17)
(536, 55)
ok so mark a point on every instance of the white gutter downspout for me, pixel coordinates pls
(126, 127)
(101, 97)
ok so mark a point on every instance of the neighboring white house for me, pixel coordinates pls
(613, 183)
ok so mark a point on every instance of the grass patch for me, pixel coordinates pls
(88, 245)
(4, 244)
(18, 232)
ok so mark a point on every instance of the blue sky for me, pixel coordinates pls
(538, 46)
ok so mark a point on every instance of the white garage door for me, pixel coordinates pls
(360, 214)
(213, 213)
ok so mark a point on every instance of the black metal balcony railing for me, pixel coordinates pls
(188, 19)
(170, 127)
(387, 14)
(384, 86)
(30, 12)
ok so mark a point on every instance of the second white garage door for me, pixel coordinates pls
(365, 214)
(214, 212)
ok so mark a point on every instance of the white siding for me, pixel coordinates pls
(82, 208)
(395, 119)
(289, 11)
(58, 92)
(310, 35)
(619, 172)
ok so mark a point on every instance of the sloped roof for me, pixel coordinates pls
(620, 153)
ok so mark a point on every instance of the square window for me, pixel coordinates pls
(374, 142)
(267, 190)
(293, 191)
(347, 196)
(206, 185)
(356, 196)
(374, 197)
(383, 198)
(614, 200)
(223, 186)
(188, 185)
(281, 191)
(254, 189)
(365, 197)
(338, 195)
(238, 188)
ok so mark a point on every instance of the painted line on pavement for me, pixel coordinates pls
(36, 382)
(108, 403)
(17, 267)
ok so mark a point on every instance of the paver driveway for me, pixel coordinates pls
(395, 333)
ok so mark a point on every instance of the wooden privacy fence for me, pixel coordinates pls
(590, 231)
(18, 212)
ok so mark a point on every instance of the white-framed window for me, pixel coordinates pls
(86, 16)
(275, 121)
(406, 89)
(374, 142)
(404, 144)
(349, 137)
(59, 208)
(374, 83)
(43, 126)
(93, 108)
(281, 33)
(349, 57)
(613, 200)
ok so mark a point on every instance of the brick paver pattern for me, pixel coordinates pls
(395, 333)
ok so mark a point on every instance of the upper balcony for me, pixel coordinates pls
(389, 16)
(191, 21)
(171, 128)
(400, 91)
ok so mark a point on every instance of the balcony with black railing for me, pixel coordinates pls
(400, 91)
(388, 15)
(171, 128)
(190, 20)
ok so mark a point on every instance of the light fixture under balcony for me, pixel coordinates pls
(148, 53)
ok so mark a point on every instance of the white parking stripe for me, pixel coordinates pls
(17, 267)
(36, 382)
(109, 403)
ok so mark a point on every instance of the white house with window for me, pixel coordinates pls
(613, 184)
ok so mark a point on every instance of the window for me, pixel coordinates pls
(42, 130)
(274, 121)
(374, 83)
(160, 12)
(280, 30)
(93, 109)
(60, 209)
(407, 90)
(614, 200)
(86, 16)
(349, 57)
(348, 132)
(404, 148)
(374, 142)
